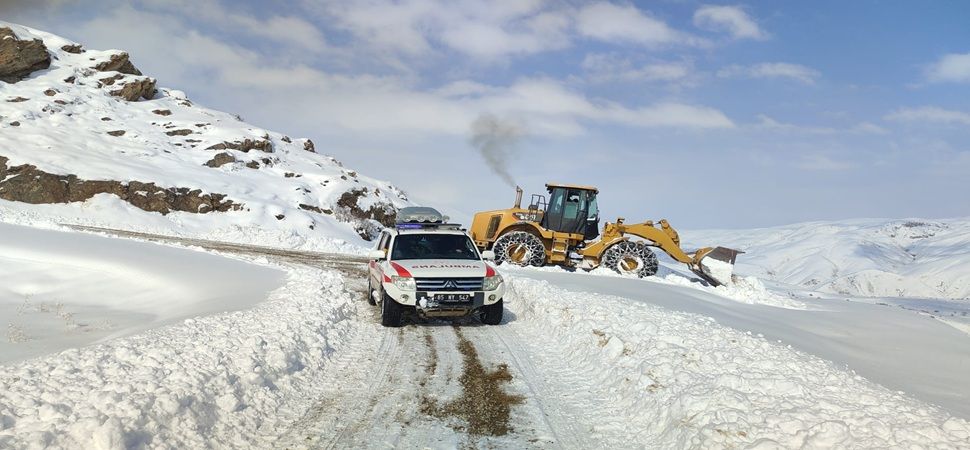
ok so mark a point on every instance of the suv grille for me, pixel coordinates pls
(449, 284)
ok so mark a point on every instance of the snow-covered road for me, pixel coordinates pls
(312, 368)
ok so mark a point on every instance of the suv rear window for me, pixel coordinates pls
(433, 246)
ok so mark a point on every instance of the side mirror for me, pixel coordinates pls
(376, 254)
(488, 255)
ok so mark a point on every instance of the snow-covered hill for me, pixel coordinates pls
(89, 139)
(865, 257)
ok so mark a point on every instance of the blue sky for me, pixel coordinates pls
(713, 115)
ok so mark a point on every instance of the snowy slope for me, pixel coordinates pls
(85, 116)
(866, 257)
(60, 290)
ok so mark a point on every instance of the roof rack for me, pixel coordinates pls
(428, 226)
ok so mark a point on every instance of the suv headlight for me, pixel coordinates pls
(492, 283)
(404, 283)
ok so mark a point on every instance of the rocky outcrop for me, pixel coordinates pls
(384, 213)
(132, 89)
(245, 145)
(28, 184)
(220, 160)
(19, 58)
(73, 48)
(308, 146)
(119, 62)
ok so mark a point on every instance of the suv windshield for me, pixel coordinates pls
(433, 246)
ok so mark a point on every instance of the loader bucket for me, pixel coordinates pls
(717, 265)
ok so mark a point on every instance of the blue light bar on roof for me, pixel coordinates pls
(409, 226)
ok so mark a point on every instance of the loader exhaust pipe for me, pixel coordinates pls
(518, 197)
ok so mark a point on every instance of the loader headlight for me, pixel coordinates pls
(492, 283)
(403, 283)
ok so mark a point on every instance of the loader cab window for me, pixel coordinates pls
(568, 210)
(592, 218)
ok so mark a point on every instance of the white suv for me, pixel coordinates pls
(434, 269)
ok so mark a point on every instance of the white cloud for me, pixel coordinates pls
(822, 163)
(312, 98)
(611, 67)
(730, 19)
(795, 72)
(289, 30)
(613, 23)
(931, 114)
(953, 68)
(868, 128)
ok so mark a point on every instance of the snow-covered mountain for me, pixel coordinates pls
(865, 257)
(86, 138)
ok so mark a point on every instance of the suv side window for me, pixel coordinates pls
(385, 239)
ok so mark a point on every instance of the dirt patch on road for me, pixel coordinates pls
(483, 404)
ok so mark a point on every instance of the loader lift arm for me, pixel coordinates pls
(667, 239)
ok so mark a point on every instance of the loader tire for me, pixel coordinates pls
(520, 248)
(631, 258)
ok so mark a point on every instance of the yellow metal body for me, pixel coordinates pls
(488, 226)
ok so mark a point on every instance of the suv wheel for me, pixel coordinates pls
(391, 312)
(370, 293)
(492, 314)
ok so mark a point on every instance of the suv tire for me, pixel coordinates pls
(370, 293)
(392, 312)
(492, 314)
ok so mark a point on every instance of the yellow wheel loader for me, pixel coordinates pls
(564, 231)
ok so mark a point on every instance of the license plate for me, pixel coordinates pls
(452, 297)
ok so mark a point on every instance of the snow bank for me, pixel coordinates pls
(748, 290)
(675, 380)
(60, 290)
(229, 381)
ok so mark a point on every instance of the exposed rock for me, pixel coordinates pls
(73, 48)
(60, 102)
(315, 209)
(163, 112)
(50, 92)
(245, 145)
(308, 146)
(119, 62)
(18, 58)
(291, 175)
(105, 119)
(182, 132)
(221, 159)
(287, 139)
(110, 81)
(252, 165)
(15, 124)
(142, 87)
(384, 213)
(117, 133)
(17, 99)
(280, 217)
(27, 184)
(70, 79)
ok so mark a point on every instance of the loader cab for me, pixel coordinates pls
(572, 209)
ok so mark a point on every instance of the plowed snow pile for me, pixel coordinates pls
(653, 378)
(235, 380)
